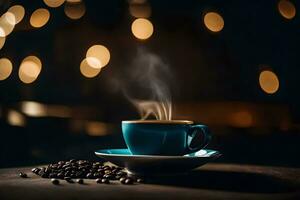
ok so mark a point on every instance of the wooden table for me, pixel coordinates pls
(212, 181)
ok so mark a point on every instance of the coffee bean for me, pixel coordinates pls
(61, 162)
(97, 175)
(69, 180)
(67, 173)
(108, 176)
(60, 175)
(22, 175)
(121, 173)
(80, 181)
(129, 181)
(55, 181)
(52, 175)
(89, 175)
(139, 180)
(105, 180)
(98, 180)
(117, 177)
(122, 180)
(68, 168)
(33, 170)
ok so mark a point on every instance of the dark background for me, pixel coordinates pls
(215, 79)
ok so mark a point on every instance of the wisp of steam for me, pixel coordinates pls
(148, 89)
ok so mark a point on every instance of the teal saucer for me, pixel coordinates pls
(153, 164)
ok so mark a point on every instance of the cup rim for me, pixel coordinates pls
(157, 122)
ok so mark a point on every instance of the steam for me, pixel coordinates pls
(146, 86)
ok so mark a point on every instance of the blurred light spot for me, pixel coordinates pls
(242, 119)
(7, 24)
(214, 22)
(18, 11)
(75, 9)
(2, 42)
(54, 3)
(268, 81)
(137, 1)
(88, 71)
(58, 111)
(73, 1)
(5, 68)
(30, 69)
(39, 17)
(15, 118)
(99, 52)
(142, 28)
(96, 128)
(10, 18)
(94, 62)
(140, 10)
(33, 109)
(286, 9)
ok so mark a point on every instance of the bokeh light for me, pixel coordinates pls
(94, 128)
(18, 11)
(241, 119)
(142, 28)
(87, 70)
(94, 62)
(214, 21)
(33, 109)
(5, 68)
(7, 24)
(268, 81)
(15, 118)
(99, 52)
(287, 9)
(140, 10)
(30, 69)
(39, 17)
(2, 42)
(74, 9)
(54, 3)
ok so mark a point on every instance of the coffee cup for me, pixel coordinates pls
(164, 137)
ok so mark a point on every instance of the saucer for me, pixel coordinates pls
(153, 164)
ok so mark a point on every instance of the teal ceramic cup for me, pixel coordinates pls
(156, 137)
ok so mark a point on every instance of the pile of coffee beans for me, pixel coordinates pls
(77, 170)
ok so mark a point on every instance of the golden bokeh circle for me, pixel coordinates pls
(54, 3)
(2, 42)
(18, 11)
(5, 68)
(7, 24)
(30, 69)
(287, 9)
(268, 82)
(74, 10)
(87, 70)
(39, 17)
(99, 52)
(142, 28)
(214, 21)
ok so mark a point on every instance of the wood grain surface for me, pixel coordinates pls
(212, 181)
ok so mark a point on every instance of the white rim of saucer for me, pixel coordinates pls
(203, 154)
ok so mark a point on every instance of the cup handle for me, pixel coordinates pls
(197, 130)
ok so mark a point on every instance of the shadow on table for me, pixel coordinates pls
(229, 181)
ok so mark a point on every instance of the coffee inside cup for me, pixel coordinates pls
(158, 122)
